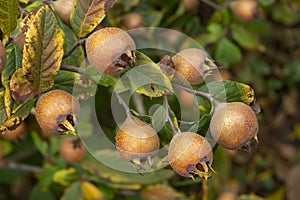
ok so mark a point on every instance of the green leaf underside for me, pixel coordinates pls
(86, 15)
(43, 49)
(159, 118)
(8, 15)
(145, 79)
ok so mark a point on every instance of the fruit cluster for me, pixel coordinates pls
(232, 125)
(111, 51)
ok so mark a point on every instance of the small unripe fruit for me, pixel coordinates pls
(13, 135)
(72, 150)
(190, 154)
(64, 9)
(244, 9)
(193, 65)
(57, 112)
(110, 50)
(136, 140)
(233, 125)
(133, 20)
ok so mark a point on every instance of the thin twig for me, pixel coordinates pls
(21, 167)
(23, 12)
(212, 4)
(125, 106)
(168, 117)
(138, 102)
(203, 94)
(74, 47)
(72, 69)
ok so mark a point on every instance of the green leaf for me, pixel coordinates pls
(161, 191)
(119, 179)
(229, 91)
(227, 53)
(101, 79)
(243, 37)
(145, 79)
(77, 58)
(87, 14)
(40, 144)
(73, 192)
(159, 118)
(43, 49)
(266, 2)
(3, 113)
(14, 61)
(77, 84)
(40, 193)
(8, 15)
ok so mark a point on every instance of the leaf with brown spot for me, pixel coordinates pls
(21, 88)
(43, 49)
(87, 14)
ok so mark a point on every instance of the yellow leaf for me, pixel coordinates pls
(91, 192)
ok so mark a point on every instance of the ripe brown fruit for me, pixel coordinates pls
(186, 99)
(136, 140)
(191, 5)
(64, 9)
(233, 125)
(110, 50)
(244, 9)
(133, 20)
(57, 112)
(190, 154)
(72, 150)
(193, 65)
(15, 134)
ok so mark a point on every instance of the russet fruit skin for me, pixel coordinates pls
(193, 64)
(233, 125)
(186, 151)
(57, 112)
(72, 150)
(244, 9)
(136, 140)
(133, 20)
(110, 50)
(64, 9)
(15, 134)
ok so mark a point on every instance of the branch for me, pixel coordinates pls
(212, 4)
(168, 117)
(74, 47)
(21, 167)
(203, 94)
(72, 69)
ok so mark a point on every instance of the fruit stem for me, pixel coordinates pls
(168, 117)
(204, 189)
(74, 47)
(209, 96)
(125, 106)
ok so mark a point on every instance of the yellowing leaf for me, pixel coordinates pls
(87, 14)
(8, 15)
(91, 192)
(43, 50)
(65, 176)
(21, 88)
